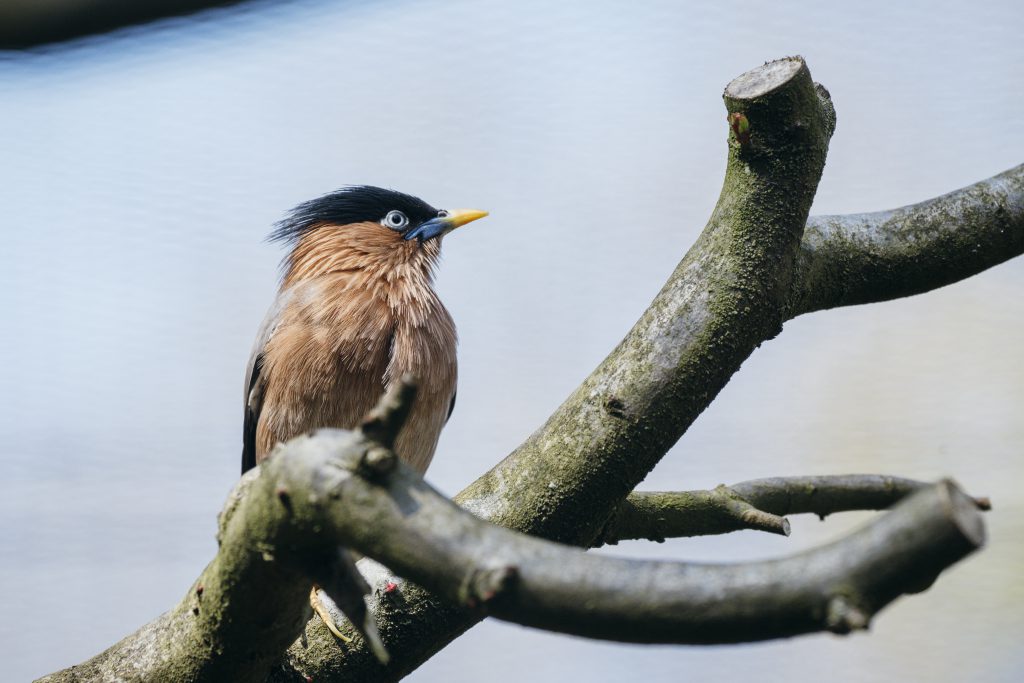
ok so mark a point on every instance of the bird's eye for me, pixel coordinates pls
(396, 220)
(443, 214)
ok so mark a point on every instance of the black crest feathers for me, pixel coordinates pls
(352, 204)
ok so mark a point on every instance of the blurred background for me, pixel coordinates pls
(142, 170)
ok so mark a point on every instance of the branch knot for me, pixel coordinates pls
(484, 586)
(843, 617)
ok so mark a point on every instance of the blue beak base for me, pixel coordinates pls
(441, 225)
(428, 230)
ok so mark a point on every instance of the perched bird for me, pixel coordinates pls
(356, 310)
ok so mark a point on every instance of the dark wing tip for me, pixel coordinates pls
(252, 418)
(451, 406)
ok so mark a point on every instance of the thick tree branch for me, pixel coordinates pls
(404, 523)
(538, 583)
(339, 488)
(863, 258)
(757, 504)
(722, 301)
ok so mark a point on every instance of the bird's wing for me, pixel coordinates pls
(253, 404)
(255, 381)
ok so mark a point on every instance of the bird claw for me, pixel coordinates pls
(325, 615)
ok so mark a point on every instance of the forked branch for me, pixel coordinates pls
(320, 492)
(758, 504)
(405, 524)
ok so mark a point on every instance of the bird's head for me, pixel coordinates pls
(360, 227)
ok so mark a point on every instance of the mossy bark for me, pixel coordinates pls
(864, 258)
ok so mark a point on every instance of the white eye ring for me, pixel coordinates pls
(396, 220)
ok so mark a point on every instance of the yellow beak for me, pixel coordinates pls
(442, 225)
(459, 217)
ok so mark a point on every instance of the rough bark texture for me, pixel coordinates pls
(751, 269)
(869, 257)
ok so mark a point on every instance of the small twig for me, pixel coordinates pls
(750, 516)
(755, 504)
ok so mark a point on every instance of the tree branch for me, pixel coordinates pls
(869, 257)
(320, 492)
(408, 526)
(657, 515)
(722, 301)
(757, 504)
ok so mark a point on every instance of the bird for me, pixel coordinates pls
(356, 311)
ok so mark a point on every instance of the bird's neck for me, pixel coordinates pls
(366, 257)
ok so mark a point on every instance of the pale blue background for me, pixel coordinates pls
(140, 173)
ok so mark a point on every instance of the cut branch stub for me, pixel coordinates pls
(484, 586)
(751, 517)
(841, 617)
(765, 79)
(767, 114)
(389, 415)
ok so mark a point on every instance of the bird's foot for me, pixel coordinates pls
(325, 614)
